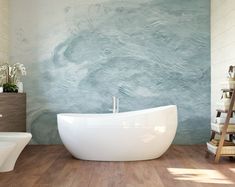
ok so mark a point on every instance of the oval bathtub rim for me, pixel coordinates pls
(142, 111)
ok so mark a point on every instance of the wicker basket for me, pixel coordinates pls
(221, 120)
(228, 85)
(226, 150)
(219, 127)
(224, 105)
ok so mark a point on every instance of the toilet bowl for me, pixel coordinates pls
(11, 145)
(5, 149)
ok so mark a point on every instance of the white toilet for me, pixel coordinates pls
(5, 150)
(11, 145)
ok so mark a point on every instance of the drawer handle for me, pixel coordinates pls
(1, 115)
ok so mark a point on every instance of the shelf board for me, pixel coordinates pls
(223, 111)
(221, 132)
(233, 155)
(227, 90)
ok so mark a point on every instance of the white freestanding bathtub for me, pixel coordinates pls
(128, 136)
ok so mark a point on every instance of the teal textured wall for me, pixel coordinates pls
(80, 53)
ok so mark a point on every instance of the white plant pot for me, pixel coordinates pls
(1, 89)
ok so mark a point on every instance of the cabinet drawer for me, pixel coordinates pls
(13, 111)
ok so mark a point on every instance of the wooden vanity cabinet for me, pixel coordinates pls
(12, 112)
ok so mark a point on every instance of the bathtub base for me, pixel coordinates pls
(105, 159)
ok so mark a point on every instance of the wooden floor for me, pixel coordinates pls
(181, 166)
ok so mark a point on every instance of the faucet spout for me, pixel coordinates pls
(115, 104)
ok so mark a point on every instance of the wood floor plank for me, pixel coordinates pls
(143, 174)
(183, 166)
(107, 174)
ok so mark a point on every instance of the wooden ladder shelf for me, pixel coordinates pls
(224, 130)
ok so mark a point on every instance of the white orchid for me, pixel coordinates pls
(3, 68)
(3, 73)
(16, 71)
(11, 74)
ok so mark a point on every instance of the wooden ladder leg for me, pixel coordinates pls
(225, 127)
(213, 132)
(212, 135)
(221, 143)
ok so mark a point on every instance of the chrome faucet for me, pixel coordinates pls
(115, 104)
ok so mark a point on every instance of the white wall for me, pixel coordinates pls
(222, 45)
(4, 32)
